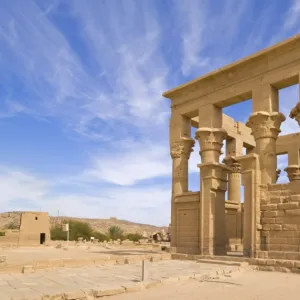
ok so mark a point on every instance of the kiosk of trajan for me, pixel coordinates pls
(266, 226)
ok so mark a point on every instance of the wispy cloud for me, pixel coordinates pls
(293, 15)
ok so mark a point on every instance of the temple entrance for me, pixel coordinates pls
(42, 238)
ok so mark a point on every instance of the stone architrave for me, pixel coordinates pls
(265, 128)
(213, 184)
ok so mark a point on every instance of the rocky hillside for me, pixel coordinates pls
(101, 225)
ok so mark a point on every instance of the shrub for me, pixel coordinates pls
(76, 229)
(2, 233)
(114, 233)
(135, 237)
(99, 236)
(12, 226)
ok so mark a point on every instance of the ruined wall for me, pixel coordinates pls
(280, 233)
(11, 238)
(33, 224)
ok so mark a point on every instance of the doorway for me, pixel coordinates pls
(42, 238)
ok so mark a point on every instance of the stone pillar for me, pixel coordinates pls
(265, 129)
(213, 182)
(234, 191)
(180, 148)
(251, 182)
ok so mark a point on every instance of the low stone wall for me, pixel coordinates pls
(81, 262)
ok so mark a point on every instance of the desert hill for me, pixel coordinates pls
(101, 225)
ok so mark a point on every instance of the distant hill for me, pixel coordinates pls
(101, 225)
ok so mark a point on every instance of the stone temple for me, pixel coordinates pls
(267, 224)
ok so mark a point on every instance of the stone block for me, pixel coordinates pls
(290, 248)
(268, 207)
(282, 269)
(268, 220)
(284, 234)
(293, 212)
(270, 262)
(276, 254)
(287, 206)
(288, 263)
(289, 227)
(108, 292)
(27, 269)
(292, 255)
(275, 227)
(271, 214)
(76, 295)
(274, 247)
(295, 198)
(280, 220)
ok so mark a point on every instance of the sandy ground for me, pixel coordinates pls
(246, 285)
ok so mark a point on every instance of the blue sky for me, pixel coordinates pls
(83, 125)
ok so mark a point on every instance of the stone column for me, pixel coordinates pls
(180, 148)
(213, 183)
(234, 191)
(251, 182)
(265, 129)
(265, 123)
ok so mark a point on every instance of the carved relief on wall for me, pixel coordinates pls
(295, 113)
(182, 147)
(265, 124)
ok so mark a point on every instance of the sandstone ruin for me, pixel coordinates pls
(267, 224)
(34, 230)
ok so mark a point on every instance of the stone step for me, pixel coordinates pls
(233, 258)
(222, 262)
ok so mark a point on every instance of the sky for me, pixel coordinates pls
(83, 125)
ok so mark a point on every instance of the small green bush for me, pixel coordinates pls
(135, 237)
(99, 236)
(2, 233)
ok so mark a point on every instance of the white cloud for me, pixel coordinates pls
(124, 83)
(20, 186)
(293, 15)
(23, 191)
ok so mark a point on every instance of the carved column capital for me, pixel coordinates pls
(182, 147)
(235, 166)
(295, 113)
(265, 124)
(211, 142)
(293, 172)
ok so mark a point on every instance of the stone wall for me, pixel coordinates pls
(280, 233)
(11, 238)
